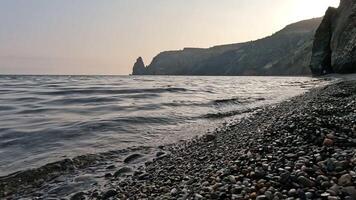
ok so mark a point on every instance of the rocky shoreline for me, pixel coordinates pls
(303, 148)
(300, 149)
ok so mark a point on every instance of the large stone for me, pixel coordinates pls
(334, 47)
(345, 180)
(305, 182)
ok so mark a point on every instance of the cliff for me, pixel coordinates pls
(286, 52)
(334, 47)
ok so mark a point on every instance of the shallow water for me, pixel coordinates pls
(48, 118)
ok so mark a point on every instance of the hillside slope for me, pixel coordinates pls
(286, 52)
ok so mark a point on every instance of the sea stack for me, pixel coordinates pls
(334, 47)
(139, 67)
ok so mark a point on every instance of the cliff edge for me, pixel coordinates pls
(334, 48)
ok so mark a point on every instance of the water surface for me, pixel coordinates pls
(48, 118)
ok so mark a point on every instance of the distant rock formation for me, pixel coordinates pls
(287, 52)
(334, 47)
(139, 67)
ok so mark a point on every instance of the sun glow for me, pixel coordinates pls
(315, 8)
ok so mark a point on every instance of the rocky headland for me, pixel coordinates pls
(287, 52)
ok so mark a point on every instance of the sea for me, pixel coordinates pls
(45, 119)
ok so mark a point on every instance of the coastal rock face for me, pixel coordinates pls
(334, 47)
(321, 58)
(287, 52)
(139, 67)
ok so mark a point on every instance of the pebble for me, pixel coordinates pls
(305, 181)
(309, 195)
(174, 191)
(232, 179)
(109, 194)
(210, 137)
(261, 197)
(345, 180)
(198, 196)
(332, 198)
(328, 142)
(292, 192)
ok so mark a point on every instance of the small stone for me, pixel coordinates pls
(261, 197)
(325, 194)
(328, 142)
(210, 137)
(350, 190)
(345, 180)
(269, 195)
(292, 192)
(160, 153)
(309, 195)
(305, 181)
(330, 165)
(291, 155)
(109, 194)
(232, 179)
(278, 195)
(325, 184)
(334, 190)
(236, 197)
(174, 191)
(332, 198)
(198, 196)
(253, 195)
(330, 136)
(285, 177)
(143, 176)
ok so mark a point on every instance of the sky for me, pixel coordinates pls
(106, 36)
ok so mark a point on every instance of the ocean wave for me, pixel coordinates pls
(229, 113)
(109, 91)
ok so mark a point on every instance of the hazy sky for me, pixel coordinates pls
(106, 36)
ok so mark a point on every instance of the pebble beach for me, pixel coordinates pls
(300, 149)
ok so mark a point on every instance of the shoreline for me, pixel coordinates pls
(244, 160)
(302, 148)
